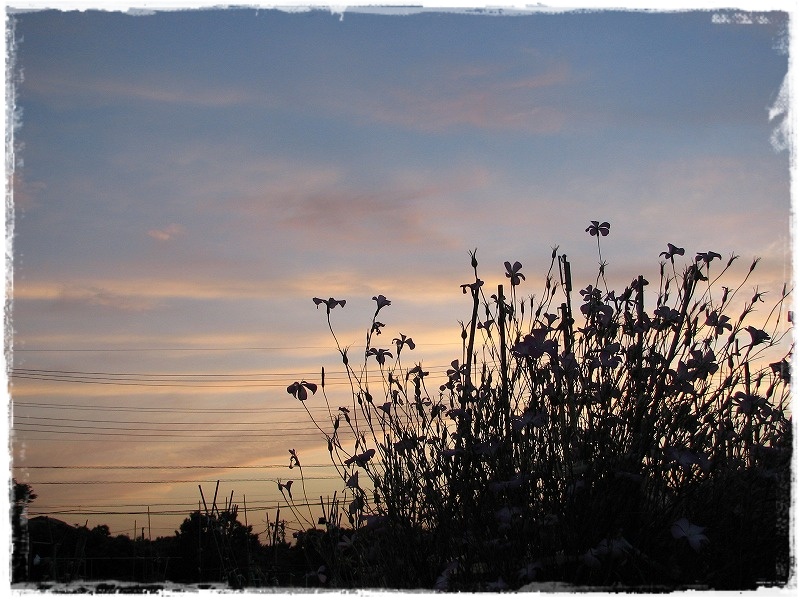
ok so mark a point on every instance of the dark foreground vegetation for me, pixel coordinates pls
(636, 438)
(211, 546)
(631, 439)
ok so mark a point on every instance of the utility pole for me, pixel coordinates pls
(199, 540)
(133, 568)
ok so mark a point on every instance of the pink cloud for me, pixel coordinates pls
(327, 205)
(166, 233)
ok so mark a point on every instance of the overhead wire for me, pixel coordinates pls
(154, 481)
(166, 434)
(197, 349)
(226, 410)
(200, 423)
(170, 467)
(242, 380)
(67, 432)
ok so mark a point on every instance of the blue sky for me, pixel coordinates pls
(190, 180)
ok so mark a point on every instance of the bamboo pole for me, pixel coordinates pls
(214, 502)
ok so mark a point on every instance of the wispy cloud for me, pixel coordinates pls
(481, 98)
(321, 202)
(94, 90)
(144, 293)
(98, 297)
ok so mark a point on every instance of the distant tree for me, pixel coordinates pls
(22, 496)
(214, 548)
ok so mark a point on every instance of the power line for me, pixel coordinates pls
(175, 349)
(42, 507)
(164, 375)
(201, 349)
(173, 512)
(214, 426)
(187, 440)
(167, 434)
(154, 467)
(95, 407)
(200, 423)
(150, 482)
(151, 384)
(249, 377)
(171, 434)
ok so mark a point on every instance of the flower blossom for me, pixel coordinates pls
(380, 355)
(512, 272)
(286, 486)
(672, 251)
(599, 228)
(404, 341)
(382, 301)
(330, 303)
(707, 257)
(298, 389)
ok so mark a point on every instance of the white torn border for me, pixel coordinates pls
(723, 12)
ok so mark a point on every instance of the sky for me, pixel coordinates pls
(184, 183)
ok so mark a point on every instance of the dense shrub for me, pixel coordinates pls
(636, 438)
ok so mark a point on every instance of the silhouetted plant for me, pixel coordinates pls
(614, 444)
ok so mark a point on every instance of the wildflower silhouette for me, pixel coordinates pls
(330, 303)
(719, 322)
(534, 345)
(380, 355)
(707, 257)
(298, 389)
(404, 341)
(672, 251)
(757, 336)
(512, 272)
(564, 446)
(286, 486)
(417, 372)
(381, 301)
(361, 459)
(596, 229)
(781, 368)
(473, 287)
(748, 403)
(599, 228)
(683, 529)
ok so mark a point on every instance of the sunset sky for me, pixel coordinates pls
(186, 183)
